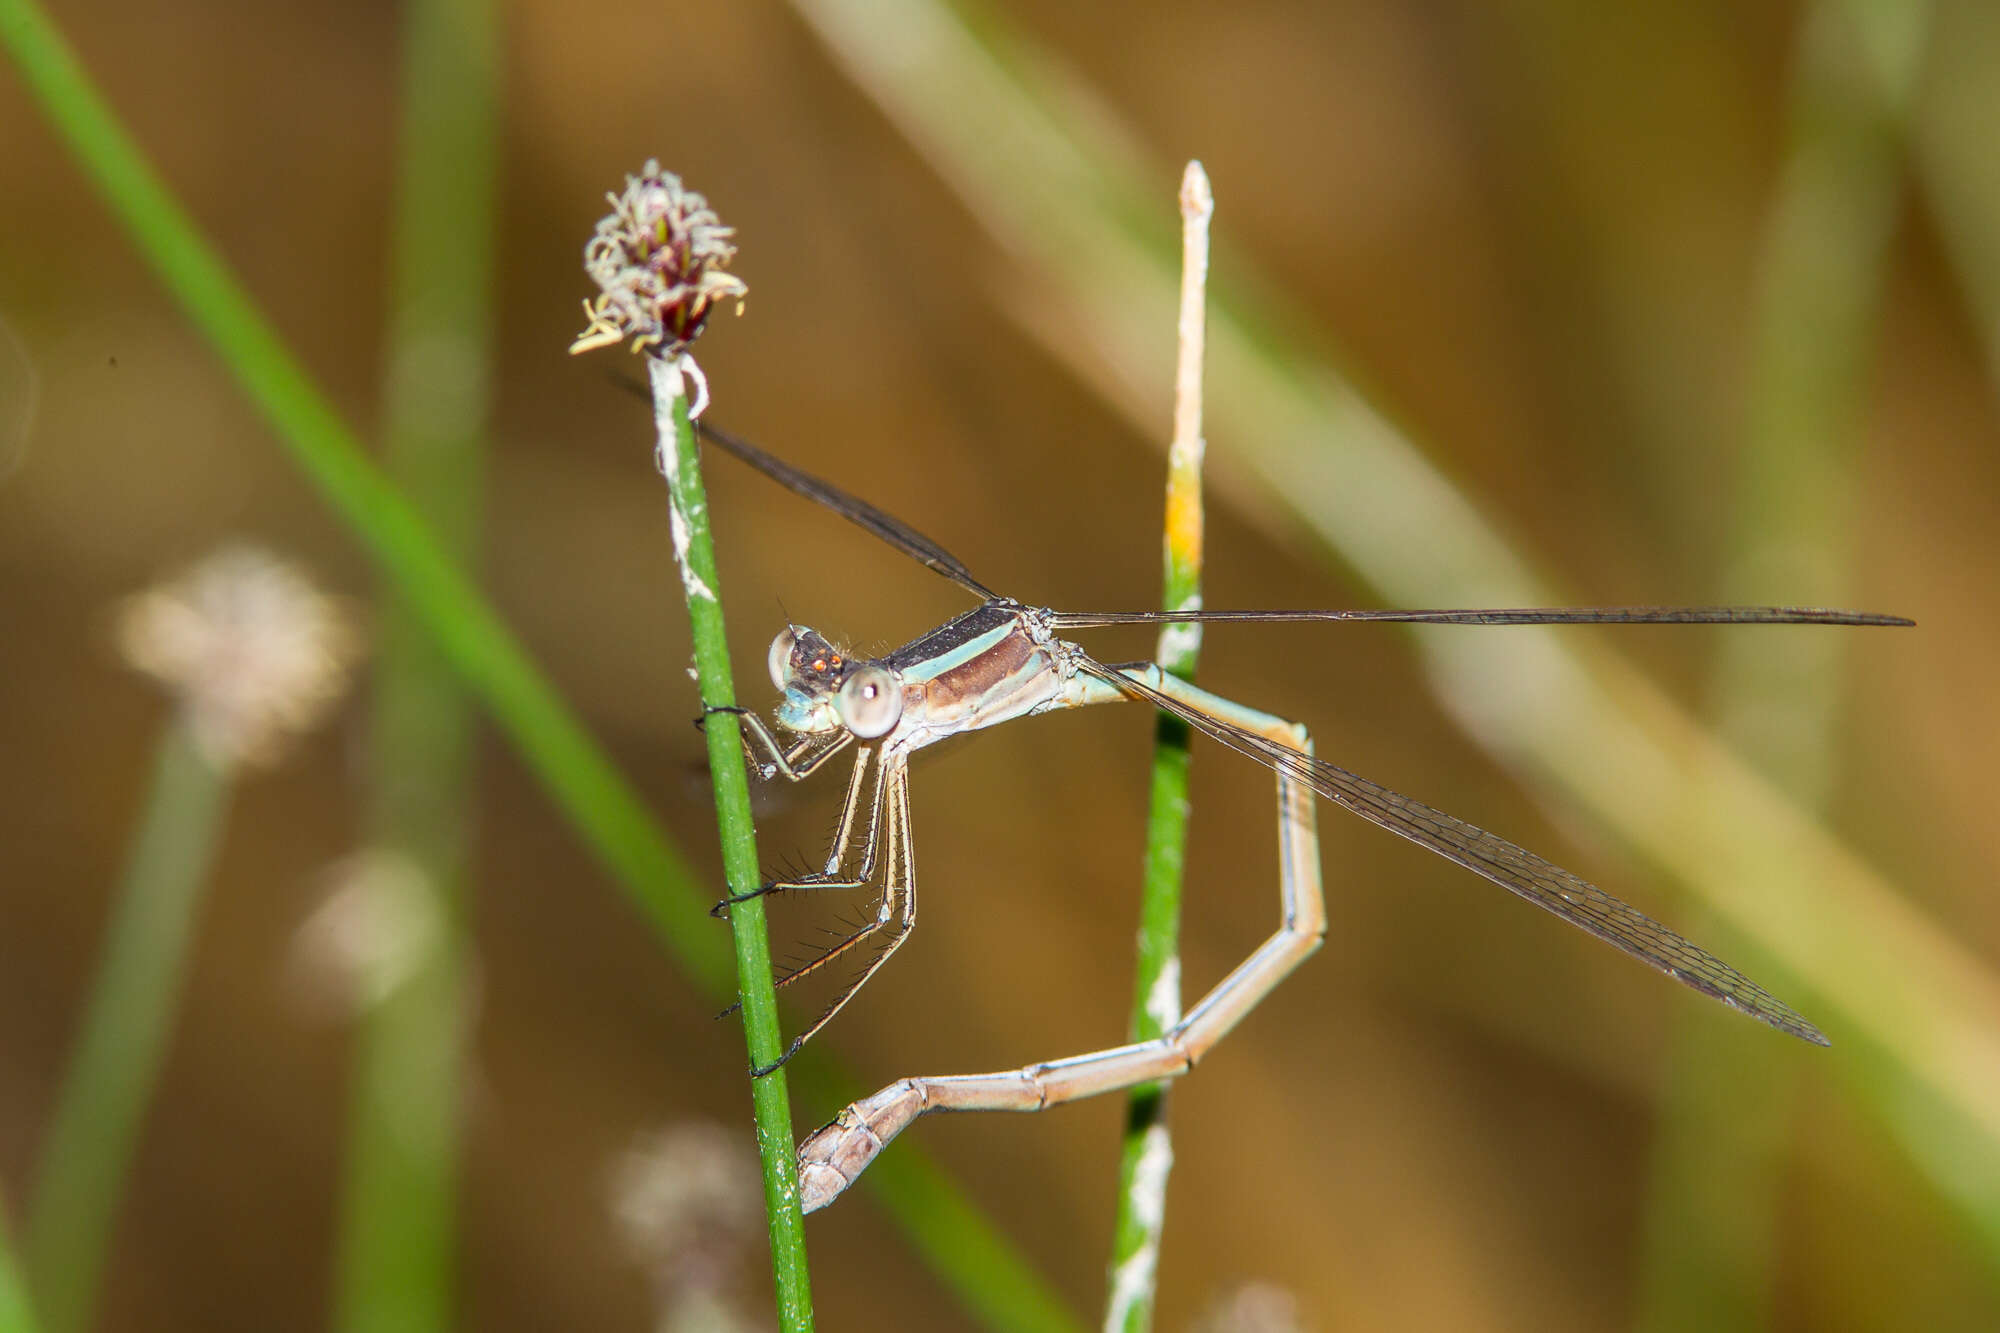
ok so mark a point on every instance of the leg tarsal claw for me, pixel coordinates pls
(721, 909)
(759, 1071)
(709, 710)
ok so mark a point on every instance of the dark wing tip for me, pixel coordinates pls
(1761, 1006)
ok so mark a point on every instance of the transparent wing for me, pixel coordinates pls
(850, 507)
(1542, 883)
(1525, 615)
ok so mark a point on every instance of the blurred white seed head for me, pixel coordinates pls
(688, 1201)
(658, 260)
(1254, 1307)
(252, 651)
(377, 926)
(694, 1311)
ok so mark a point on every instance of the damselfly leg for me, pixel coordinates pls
(883, 819)
(831, 1158)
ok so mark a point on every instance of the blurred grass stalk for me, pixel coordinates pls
(1959, 106)
(977, 1263)
(1147, 1155)
(1709, 1235)
(1914, 1015)
(133, 1000)
(16, 1316)
(398, 1251)
(694, 551)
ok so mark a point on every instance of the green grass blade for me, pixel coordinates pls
(16, 1316)
(134, 997)
(770, 1097)
(1147, 1155)
(398, 1251)
(954, 1237)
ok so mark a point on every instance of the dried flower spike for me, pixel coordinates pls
(658, 260)
(254, 654)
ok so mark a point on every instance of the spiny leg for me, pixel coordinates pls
(885, 908)
(894, 916)
(830, 880)
(843, 833)
(796, 764)
(831, 1158)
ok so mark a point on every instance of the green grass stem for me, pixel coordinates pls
(694, 552)
(397, 1257)
(133, 999)
(1146, 1155)
(970, 1257)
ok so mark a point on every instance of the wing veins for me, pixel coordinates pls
(1527, 615)
(1514, 868)
(853, 508)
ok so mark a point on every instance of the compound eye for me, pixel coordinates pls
(871, 702)
(780, 660)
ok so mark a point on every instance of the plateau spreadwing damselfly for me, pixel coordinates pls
(1003, 660)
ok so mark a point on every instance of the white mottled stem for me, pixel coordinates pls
(1197, 209)
(1133, 1280)
(669, 375)
(1163, 997)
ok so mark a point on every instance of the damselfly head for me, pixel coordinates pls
(811, 673)
(801, 658)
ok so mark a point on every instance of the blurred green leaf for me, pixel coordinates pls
(133, 1000)
(398, 1243)
(15, 1315)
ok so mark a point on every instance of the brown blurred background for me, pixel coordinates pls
(1532, 230)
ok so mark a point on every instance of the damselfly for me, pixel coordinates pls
(1004, 660)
